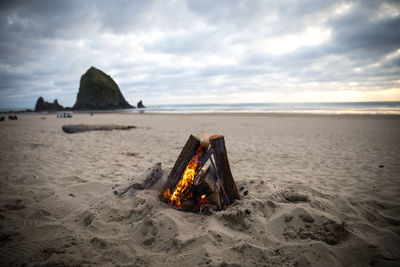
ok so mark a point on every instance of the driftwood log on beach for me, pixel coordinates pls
(78, 128)
(145, 181)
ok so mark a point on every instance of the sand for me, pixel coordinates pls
(316, 190)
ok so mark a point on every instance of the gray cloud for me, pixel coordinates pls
(163, 51)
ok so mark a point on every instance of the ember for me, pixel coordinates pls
(197, 180)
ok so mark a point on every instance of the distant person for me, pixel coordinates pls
(12, 117)
(2, 118)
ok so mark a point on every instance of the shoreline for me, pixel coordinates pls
(325, 108)
(233, 114)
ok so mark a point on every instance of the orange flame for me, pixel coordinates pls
(182, 190)
(167, 194)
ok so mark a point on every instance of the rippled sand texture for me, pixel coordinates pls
(319, 190)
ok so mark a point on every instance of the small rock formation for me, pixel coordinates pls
(98, 90)
(42, 105)
(140, 104)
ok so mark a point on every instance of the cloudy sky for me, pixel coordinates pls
(202, 51)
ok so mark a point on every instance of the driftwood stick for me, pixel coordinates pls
(209, 181)
(220, 181)
(78, 128)
(222, 166)
(205, 156)
(201, 174)
(215, 198)
(145, 181)
(188, 151)
(202, 164)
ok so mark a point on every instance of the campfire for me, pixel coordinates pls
(201, 178)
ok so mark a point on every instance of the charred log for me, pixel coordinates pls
(180, 165)
(223, 169)
(215, 197)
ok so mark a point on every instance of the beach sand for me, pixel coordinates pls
(322, 190)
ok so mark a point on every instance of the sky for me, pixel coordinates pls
(202, 51)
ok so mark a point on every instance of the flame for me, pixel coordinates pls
(204, 201)
(167, 194)
(182, 190)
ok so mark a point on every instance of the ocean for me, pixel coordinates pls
(297, 108)
(300, 108)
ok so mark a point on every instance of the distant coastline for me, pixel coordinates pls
(371, 108)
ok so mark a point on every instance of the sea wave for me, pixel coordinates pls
(299, 108)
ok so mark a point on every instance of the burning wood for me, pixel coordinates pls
(223, 168)
(197, 180)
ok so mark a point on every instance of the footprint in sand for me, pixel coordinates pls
(157, 233)
(301, 225)
(14, 206)
(98, 243)
(69, 180)
(37, 217)
(21, 253)
(235, 218)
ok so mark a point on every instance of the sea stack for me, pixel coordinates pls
(140, 104)
(42, 105)
(98, 90)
